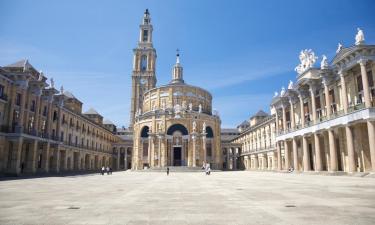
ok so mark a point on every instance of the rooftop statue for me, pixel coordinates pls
(360, 37)
(324, 63)
(339, 47)
(307, 58)
(62, 90)
(290, 85)
(190, 106)
(52, 83)
(282, 92)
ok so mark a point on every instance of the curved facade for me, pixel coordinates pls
(173, 124)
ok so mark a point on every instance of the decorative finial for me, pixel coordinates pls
(290, 85)
(146, 12)
(177, 56)
(282, 92)
(62, 90)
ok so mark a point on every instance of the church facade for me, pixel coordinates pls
(174, 124)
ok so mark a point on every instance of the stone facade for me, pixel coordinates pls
(173, 124)
(44, 130)
(325, 120)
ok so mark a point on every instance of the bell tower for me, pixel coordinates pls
(143, 75)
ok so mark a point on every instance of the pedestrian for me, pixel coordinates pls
(110, 170)
(208, 171)
(167, 171)
(107, 170)
(103, 169)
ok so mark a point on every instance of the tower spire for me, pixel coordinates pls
(177, 75)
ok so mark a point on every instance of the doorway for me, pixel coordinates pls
(177, 157)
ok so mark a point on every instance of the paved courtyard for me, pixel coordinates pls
(189, 198)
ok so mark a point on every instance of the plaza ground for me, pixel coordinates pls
(189, 198)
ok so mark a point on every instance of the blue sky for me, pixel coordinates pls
(241, 51)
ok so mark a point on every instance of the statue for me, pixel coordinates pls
(40, 76)
(339, 47)
(290, 85)
(52, 83)
(177, 109)
(275, 94)
(324, 63)
(62, 90)
(204, 128)
(139, 111)
(360, 37)
(194, 126)
(163, 105)
(282, 92)
(184, 105)
(200, 108)
(307, 58)
(190, 106)
(161, 125)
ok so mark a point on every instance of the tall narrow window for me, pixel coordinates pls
(145, 35)
(143, 62)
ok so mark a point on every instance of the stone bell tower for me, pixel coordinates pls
(143, 75)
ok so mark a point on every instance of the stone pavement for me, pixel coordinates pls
(189, 198)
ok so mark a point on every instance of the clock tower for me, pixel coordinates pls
(143, 75)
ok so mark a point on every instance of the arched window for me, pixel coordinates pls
(210, 133)
(143, 62)
(144, 132)
(177, 127)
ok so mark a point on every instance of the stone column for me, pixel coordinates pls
(318, 156)
(194, 149)
(313, 104)
(273, 161)
(344, 97)
(234, 158)
(31, 158)
(204, 148)
(286, 154)
(256, 162)
(15, 167)
(350, 146)
(279, 166)
(328, 100)
(149, 150)
(37, 115)
(301, 109)
(22, 110)
(56, 160)
(45, 161)
(332, 150)
(293, 123)
(284, 119)
(277, 123)
(371, 138)
(11, 103)
(126, 158)
(118, 159)
(306, 157)
(365, 84)
(295, 154)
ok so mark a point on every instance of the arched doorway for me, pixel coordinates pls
(177, 145)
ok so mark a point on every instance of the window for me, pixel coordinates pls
(143, 62)
(32, 107)
(18, 99)
(145, 36)
(2, 95)
(54, 116)
(45, 111)
(62, 136)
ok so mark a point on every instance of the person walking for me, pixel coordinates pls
(103, 169)
(167, 171)
(110, 170)
(107, 170)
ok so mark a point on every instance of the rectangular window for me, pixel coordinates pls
(18, 99)
(2, 94)
(45, 111)
(32, 107)
(145, 35)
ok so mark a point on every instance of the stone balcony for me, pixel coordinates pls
(339, 119)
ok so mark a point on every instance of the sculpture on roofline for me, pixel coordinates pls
(360, 37)
(62, 90)
(190, 106)
(52, 83)
(339, 47)
(282, 92)
(324, 62)
(307, 58)
(40, 76)
(290, 85)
